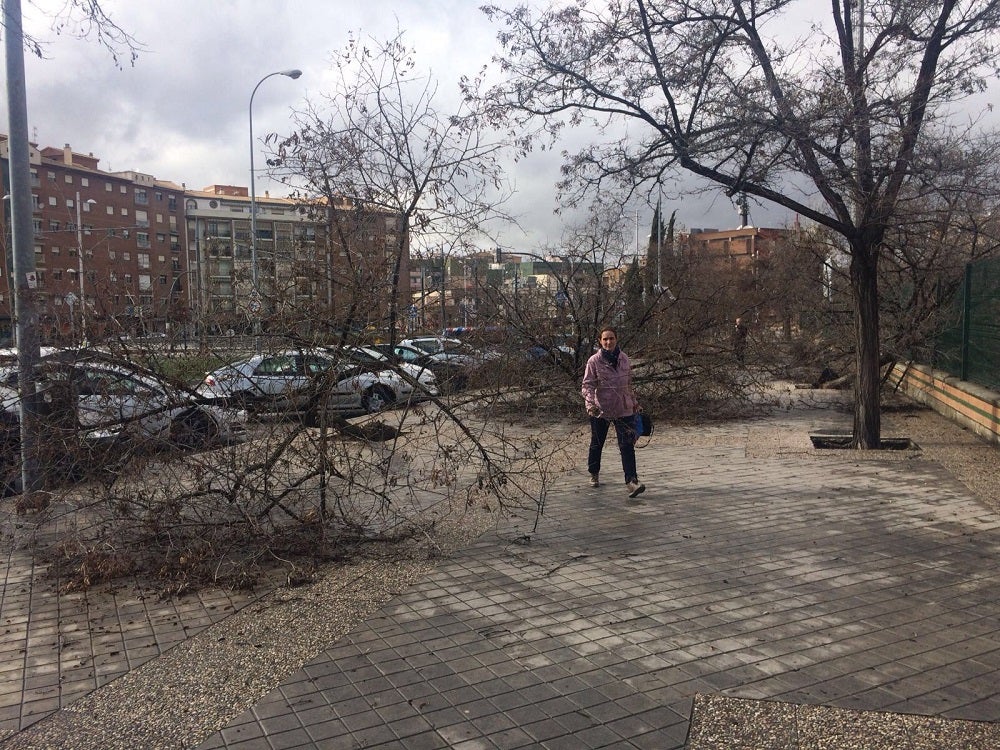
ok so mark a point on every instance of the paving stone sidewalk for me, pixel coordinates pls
(751, 569)
(763, 573)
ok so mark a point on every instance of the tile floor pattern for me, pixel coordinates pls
(865, 584)
(56, 648)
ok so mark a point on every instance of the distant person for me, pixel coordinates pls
(607, 393)
(740, 333)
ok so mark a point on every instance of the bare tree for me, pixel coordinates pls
(830, 124)
(379, 140)
(86, 19)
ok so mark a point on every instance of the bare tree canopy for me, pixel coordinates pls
(830, 123)
(380, 138)
(84, 19)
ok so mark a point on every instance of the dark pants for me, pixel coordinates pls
(599, 433)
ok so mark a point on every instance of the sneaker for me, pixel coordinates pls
(594, 481)
(635, 488)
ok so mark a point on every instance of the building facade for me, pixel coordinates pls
(124, 253)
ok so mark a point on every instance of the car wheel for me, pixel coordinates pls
(193, 429)
(378, 398)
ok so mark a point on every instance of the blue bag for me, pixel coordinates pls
(641, 424)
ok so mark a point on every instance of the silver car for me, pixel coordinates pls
(85, 400)
(303, 381)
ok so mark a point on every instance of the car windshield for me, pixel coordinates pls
(280, 365)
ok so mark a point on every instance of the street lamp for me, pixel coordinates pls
(255, 299)
(79, 258)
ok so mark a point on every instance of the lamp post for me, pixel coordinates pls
(254, 274)
(79, 259)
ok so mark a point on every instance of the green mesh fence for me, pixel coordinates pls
(970, 349)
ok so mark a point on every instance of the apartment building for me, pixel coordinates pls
(125, 253)
(107, 245)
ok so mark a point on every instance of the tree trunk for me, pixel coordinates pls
(867, 410)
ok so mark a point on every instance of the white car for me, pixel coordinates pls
(87, 400)
(425, 378)
(301, 381)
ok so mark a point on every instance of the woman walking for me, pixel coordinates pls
(607, 392)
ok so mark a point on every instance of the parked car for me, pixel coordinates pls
(86, 400)
(305, 382)
(431, 344)
(452, 367)
(426, 380)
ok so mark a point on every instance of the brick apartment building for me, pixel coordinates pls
(157, 257)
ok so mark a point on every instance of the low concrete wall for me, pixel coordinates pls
(968, 404)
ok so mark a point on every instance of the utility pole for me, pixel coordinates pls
(25, 278)
(444, 320)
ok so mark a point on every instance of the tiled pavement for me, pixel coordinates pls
(751, 569)
(56, 648)
(856, 584)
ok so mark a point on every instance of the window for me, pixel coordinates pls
(108, 187)
(143, 259)
(141, 197)
(112, 255)
(35, 182)
(56, 274)
(145, 282)
(36, 225)
(122, 189)
(128, 278)
(126, 256)
(84, 182)
(219, 229)
(159, 196)
(110, 210)
(172, 202)
(113, 276)
(85, 206)
(163, 280)
(51, 176)
(55, 250)
(161, 237)
(53, 226)
(69, 179)
(161, 259)
(53, 201)
(124, 211)
(141, 218)
(159, 218)
(142, 239)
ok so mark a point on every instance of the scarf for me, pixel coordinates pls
(612, 356)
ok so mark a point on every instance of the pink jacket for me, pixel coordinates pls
(608, 389)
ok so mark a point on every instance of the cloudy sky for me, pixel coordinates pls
(181, 112)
